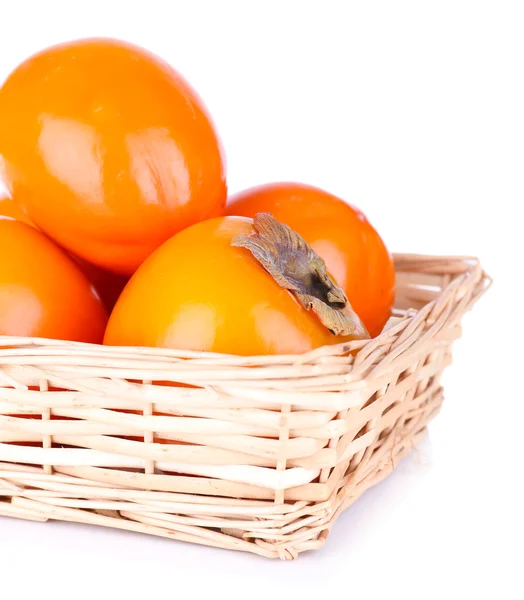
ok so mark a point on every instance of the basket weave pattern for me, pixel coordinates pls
(254, 454)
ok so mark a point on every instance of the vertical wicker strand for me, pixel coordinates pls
(366, 452)
(408, 396)
(282, 456)
(326, 471)
(147, 411)
(47, 440)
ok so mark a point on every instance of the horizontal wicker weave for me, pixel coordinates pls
(266, 452)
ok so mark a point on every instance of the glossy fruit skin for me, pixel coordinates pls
(8, 208)
(197, 292)
(43, 293)
(110, 149)
(108, 285)
(353, 251)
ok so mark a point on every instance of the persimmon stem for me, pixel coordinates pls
(295, 266)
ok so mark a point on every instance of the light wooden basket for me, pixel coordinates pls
(274, 448)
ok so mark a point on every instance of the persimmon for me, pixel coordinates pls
(109, 149)
(43, 293)
(8, 208)
(165, 441)
(108, 285)
(340, 233)
(209, 288)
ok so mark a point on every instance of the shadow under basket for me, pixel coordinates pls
(259, 454)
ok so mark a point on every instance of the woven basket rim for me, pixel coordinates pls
(471, 268)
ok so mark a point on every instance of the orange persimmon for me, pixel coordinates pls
(198, 291)
(108, 285)
(109, 149)
(43, 293)
(340, 233)
(9, 208)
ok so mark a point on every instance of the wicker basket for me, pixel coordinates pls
(271, 449)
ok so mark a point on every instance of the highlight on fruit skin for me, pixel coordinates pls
(9, 208)
(205, 289)
(340, 233)
(110, 149)
(108, 285)
(43, 293)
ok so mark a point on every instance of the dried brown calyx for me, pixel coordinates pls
(295, 266)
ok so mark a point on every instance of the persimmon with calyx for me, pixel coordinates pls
(109, 149)
(236, 286)
(340, 233)
(43, 293)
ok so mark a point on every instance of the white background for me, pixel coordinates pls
(413, 111)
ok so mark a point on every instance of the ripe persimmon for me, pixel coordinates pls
(209, 289)
(43, 293)
(340, 233)
(9, 208)
(109, 149)
(108, 285)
